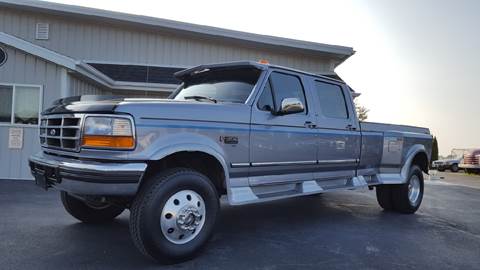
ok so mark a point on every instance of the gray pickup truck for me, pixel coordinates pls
(252, 132)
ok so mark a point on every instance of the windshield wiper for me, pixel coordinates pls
(201, 98)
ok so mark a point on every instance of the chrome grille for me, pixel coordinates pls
(61, 131)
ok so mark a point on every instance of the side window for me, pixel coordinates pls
(332, 100)
(286, 86)
(265, 102)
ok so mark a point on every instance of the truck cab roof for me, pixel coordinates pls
(183, 74)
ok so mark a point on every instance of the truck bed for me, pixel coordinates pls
(370, 126)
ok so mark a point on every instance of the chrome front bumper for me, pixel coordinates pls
(86, 177)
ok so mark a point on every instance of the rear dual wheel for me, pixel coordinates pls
(405, 198)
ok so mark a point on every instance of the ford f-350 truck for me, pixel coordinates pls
(252, 132)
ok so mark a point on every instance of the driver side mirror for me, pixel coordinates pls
(290, 106)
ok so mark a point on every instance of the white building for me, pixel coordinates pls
(49, 51)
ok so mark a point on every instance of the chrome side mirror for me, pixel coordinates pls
(291, 105)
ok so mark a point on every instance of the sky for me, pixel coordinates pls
(416, 61)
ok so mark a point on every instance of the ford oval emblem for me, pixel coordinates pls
(53, 132)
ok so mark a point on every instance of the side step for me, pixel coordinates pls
(252, 194)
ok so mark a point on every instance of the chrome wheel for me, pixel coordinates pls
(183, 216)
(414, 190)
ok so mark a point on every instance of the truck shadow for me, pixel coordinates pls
(264, 229)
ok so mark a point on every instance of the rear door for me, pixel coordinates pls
(339, 137)
(284, 147)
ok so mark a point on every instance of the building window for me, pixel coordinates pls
(3, 56)
(20, 104)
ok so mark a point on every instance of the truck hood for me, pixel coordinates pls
(166, 109)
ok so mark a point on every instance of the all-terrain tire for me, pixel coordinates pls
(89, 213)
(146, 214)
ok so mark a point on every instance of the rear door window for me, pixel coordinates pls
(332, 100)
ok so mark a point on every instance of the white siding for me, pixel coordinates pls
(111, 42)
(80, 87)
(22, 68)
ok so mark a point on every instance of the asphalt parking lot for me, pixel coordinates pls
(333, 231)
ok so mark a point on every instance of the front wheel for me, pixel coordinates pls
(454, 168)
(89, 212)
(173, 215)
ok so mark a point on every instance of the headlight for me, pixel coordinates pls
(108, 132)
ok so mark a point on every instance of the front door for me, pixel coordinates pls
(283, 147)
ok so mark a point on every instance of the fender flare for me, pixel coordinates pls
(193, 147)
(412, 152)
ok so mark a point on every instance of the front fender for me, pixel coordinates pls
(188, 142)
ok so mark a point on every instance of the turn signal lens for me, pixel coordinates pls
(105, 141)
(108, 132)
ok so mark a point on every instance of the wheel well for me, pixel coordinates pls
(421, 160)
(199, 161)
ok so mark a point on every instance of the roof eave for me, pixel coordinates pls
(185, 27)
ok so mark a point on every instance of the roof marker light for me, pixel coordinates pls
(263, 61)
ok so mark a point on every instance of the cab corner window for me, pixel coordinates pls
(287, 86)
(332, 100)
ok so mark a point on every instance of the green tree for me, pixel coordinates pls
(362, 112)
(434, 149)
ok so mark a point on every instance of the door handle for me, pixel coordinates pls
(310, 124)
(351, 127)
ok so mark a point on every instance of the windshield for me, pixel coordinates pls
(224, 85)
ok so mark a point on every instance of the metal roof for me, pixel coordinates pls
(49, 7)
